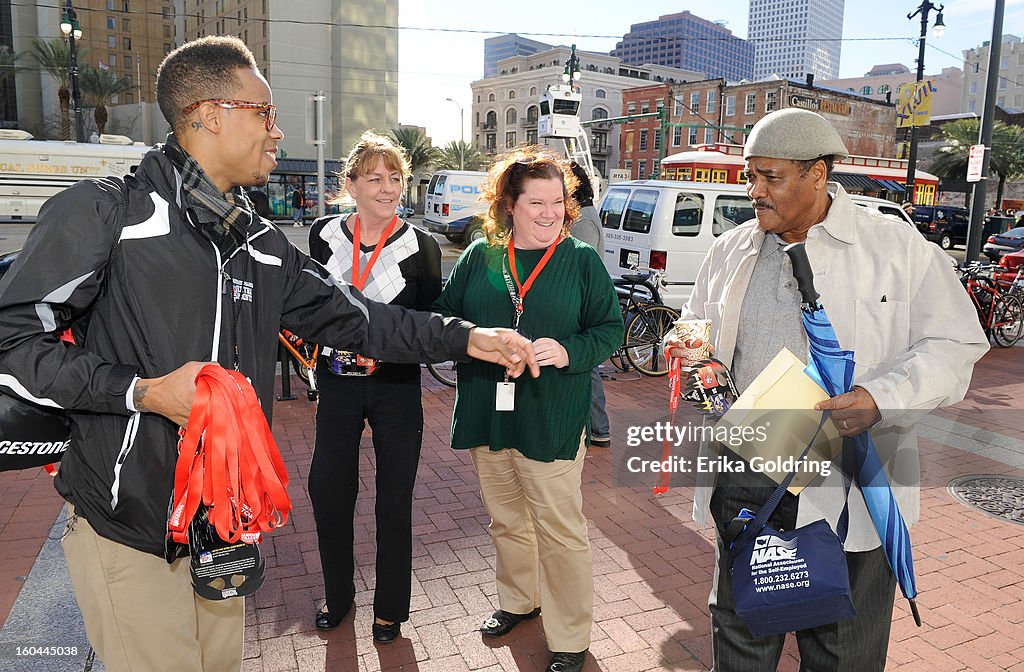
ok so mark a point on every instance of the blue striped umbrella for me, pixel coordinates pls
(832, 367)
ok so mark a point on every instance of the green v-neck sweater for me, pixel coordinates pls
(572, 301)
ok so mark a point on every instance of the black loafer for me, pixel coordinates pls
(567, 662)
(385, 633)
(501, 622)
(327, 621)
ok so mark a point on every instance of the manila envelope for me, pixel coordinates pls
(781, 402)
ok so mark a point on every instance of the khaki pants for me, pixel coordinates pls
(141, 614)
(540, 534)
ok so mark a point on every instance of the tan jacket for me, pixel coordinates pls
(914, 351)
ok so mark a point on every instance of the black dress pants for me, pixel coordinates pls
(395, 413)
(858, 644)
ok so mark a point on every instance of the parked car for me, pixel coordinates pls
(1004, 243)
(1009, 266)
(942, 224)
(6, 259)
(883, 206)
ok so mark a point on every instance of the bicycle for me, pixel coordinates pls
(647, 319)
(443, 372)
(303, 356)
(1000, 312)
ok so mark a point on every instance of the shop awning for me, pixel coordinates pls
(858, 182)
(892, 185)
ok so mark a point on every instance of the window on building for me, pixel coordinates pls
(751, 103)
(645, 107)
(1002, 83)
(702, 175)
(746, 127)
(709, 135)
(677, 108)
(533, 90)
(532, 112)
(719, 176)
(692, 139)
(600, 93)
(510, 139)
(510, 115)
(110, 5)
(1020, 58)
(630, 108)
(125, 7)
(884, 89)
(771, 101)
(684, 174)
(1001, 101)
(168, 12)
(628, 166)
(111, 42)
(657, 138)
(641, 169)
(531, 137)
(643, 139)
(866, 90)
(490, 98)
(730, 106)
(112, 60)
(695, 102)
(971, 105)
(491, 142)
(111, 23)
(627, 142)
(511, 95)
(1004, 62)
(973, 88)
(126, 25)
(677, 136)
(491, 120)
(167, 30)
(712, 99)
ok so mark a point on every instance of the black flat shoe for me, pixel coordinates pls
(385, 633)
(326, 621)
(501, 622)
(567, 662)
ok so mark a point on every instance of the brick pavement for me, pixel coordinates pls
(652, 567)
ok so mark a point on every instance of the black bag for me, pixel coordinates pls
(36, 432)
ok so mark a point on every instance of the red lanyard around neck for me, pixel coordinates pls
(359, 281)
(524, 288)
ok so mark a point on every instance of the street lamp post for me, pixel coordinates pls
(923, 9)
(462, 134)
(73, 31)
(572, 68)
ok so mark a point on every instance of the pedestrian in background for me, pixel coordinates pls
(528, 440)
(587, 228)
(298, 204)
(391, 262)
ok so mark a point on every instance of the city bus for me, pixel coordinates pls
(32, 171)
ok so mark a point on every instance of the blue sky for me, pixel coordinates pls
(439, 64)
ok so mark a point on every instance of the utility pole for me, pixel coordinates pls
(462, 134)
(320, 142)
(974, 230)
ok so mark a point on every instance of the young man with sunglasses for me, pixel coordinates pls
(171, 270)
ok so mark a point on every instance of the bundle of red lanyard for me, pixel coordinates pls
(229, 462)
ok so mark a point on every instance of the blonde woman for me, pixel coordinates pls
(391, 262)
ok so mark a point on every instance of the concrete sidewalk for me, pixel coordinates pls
(652, 566)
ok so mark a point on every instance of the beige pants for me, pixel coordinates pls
(540, 534)
(141, 614)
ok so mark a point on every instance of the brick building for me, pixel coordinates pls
(711, 111)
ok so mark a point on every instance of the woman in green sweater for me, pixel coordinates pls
(528, 438)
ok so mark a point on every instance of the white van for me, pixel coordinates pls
(453, 204)
(670, 226)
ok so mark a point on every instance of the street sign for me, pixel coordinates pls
(974, 161)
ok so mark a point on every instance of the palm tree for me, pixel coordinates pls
(1006, 158)
(54, 57)
(460, 155)
(7, 59)
(101, 86)
(420, 152)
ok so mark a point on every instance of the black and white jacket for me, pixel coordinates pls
(170, 295)
(407, 272)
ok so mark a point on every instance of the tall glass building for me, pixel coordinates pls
(689, 42)
(507, 46)
(795, 38)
